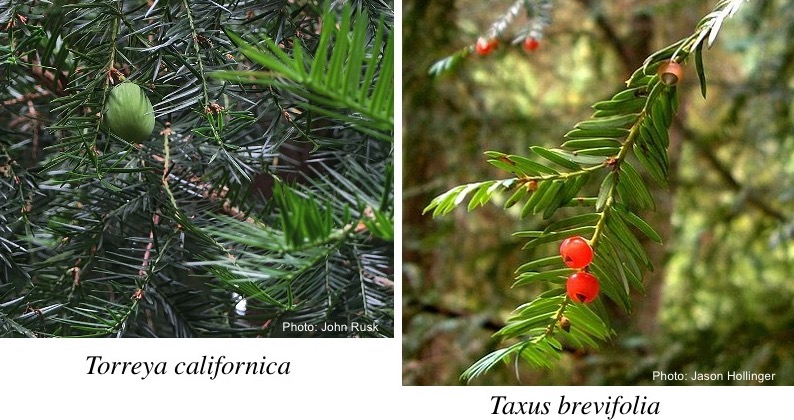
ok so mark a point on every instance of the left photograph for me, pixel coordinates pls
(196, 169)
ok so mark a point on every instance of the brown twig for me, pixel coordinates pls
(148, 253)
(25, 97)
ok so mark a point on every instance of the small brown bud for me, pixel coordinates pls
(671, 73)
(565, 324)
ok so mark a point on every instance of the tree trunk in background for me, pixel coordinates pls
(424, 163)
(422, 160)
(646, 311)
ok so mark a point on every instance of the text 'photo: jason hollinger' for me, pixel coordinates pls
(197, 169)
(597, 193)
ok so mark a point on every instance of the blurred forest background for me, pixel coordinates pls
(720, 297)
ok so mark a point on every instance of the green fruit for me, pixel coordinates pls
(128, 113)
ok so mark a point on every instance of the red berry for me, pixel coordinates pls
(582, 287)
(485, 46)
(531, 44)
(576, 252)
(671, 73)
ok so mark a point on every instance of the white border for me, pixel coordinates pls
(349, 378)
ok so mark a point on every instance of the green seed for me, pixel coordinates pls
(128, 113)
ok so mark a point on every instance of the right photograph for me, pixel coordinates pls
(598, 192)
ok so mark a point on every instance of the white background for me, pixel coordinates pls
(330, 378)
